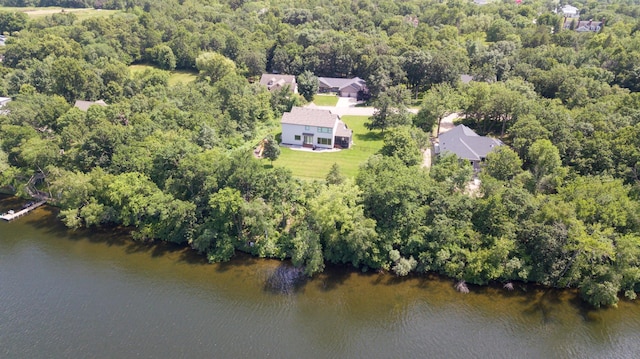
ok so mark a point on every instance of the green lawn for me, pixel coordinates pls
(175, 77)
(315, 165)
(182, 77)
(325, 100)
(36, 12)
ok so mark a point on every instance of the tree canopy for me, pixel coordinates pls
(558, 204)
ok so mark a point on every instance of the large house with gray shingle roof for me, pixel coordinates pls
(467, 145)
(341, 86)
(314, 128)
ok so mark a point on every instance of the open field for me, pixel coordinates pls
(325, 100)
(36, 12)
(315, 165)
(176, 76)
(181, 77)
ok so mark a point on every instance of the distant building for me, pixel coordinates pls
(4, 101)
(314, 128)
(275, 82)
(84, 105)
(582, 26)
(467, 145)
(570, 11)
(465, 79)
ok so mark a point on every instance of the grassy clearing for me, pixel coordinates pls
(182, 77)
(315, 165)
(38, 12)
(325, 100)
(175, 77)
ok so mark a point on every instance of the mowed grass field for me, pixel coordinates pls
(36, 12)
(313, 165)
(325, 100)
(175, 77)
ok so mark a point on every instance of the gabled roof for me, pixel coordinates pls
(271, 80)
(342, 130)
(84, 105)
(466, 78)
(568, 9)
(341, 83)
(309, 117)
(466, 144)
(583, 25)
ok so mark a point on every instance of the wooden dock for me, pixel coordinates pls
(11, 216)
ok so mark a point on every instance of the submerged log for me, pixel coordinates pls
(461, 287)
(508, 286)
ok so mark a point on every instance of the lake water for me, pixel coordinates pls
(66, 294)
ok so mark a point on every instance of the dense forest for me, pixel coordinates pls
(559, 205)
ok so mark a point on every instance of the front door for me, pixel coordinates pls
(307, 140)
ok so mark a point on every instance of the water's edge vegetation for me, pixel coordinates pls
(558, 205)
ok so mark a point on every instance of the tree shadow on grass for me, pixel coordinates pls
(369, 136)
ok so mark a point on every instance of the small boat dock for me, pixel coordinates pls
(11, 215)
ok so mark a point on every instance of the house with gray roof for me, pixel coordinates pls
(582, 26)
(84, 105)
(275, 82)
(342, 86)
(466, 144)
(314, 128)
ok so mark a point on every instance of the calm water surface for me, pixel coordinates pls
(98, 295)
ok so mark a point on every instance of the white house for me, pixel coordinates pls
(314, 128)
(570, 11)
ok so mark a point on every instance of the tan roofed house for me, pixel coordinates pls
(276, 82)
(315, 128)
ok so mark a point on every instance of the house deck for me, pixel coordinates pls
(11, 216)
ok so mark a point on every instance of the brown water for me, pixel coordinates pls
(80, 294)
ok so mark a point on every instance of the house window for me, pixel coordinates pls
(296, 137)
(325, 129)
(324, 141)
(306, 128)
